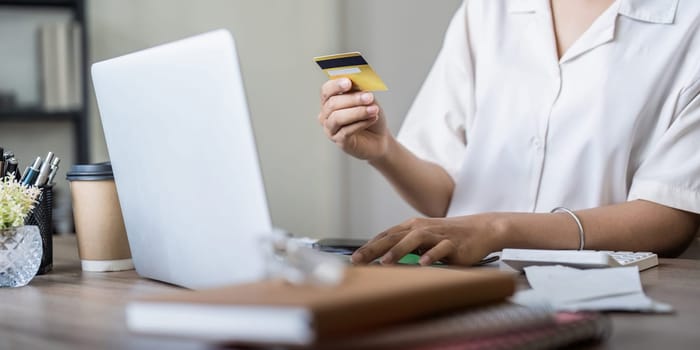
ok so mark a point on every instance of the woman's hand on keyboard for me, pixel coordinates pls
(461, 240)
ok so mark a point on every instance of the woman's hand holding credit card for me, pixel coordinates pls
(350, 114)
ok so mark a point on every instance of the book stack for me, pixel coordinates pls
(60, 65)
(375, 307)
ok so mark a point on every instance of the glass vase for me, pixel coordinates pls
(20, 255)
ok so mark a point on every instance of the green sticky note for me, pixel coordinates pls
(413, 259)
(410, 259)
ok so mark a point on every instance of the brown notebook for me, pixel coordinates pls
(276, 312)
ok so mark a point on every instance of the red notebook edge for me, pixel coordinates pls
(569, 328)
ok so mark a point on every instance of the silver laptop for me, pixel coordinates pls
(180, 140)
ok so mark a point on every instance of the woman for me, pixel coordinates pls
(587, 107)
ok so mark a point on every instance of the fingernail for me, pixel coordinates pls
(387, 258)
(344, 83)
(372, 110)
(356, 258)
(366, 97)
(424, 260)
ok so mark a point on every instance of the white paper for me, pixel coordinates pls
(570, 289)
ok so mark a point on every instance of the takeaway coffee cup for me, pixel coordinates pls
(102, 242)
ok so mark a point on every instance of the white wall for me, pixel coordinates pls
(400, 39)
(276, 41)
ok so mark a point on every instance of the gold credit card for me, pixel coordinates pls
(354, 67)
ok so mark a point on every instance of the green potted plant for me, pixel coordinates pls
(20, 245)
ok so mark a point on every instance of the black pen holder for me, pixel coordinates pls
(42, 217)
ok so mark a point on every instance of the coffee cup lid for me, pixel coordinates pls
(90, 172)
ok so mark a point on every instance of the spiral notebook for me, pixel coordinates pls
(567, 329)
(498, 326)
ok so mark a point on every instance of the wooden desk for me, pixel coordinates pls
(71, 309)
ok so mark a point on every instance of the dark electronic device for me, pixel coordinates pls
(344, 246)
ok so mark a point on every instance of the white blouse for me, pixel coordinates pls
(617, 118)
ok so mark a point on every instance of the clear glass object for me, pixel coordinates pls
(20, 255)
(296, 263)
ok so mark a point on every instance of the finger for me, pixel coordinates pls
(389, 231)
(376, 248)
(347, 131)
(397, 231)
(337, 102)
(409, 243)
(443, 249)
(347, 116)
(334, 87)
(341, 102)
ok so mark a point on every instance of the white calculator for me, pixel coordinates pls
(582, 259)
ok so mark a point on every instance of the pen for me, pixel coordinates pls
(54, 170)
(11, 167)
(18, 173)
(31, 173)
(44, 171)
(2, 161)
(6, 156)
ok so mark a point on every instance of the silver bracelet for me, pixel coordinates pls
(581, 235)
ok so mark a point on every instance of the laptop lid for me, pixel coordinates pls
(179, 136)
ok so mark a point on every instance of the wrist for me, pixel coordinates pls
(502, 228)
(383, 159)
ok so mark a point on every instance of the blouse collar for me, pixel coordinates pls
(653, 11)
